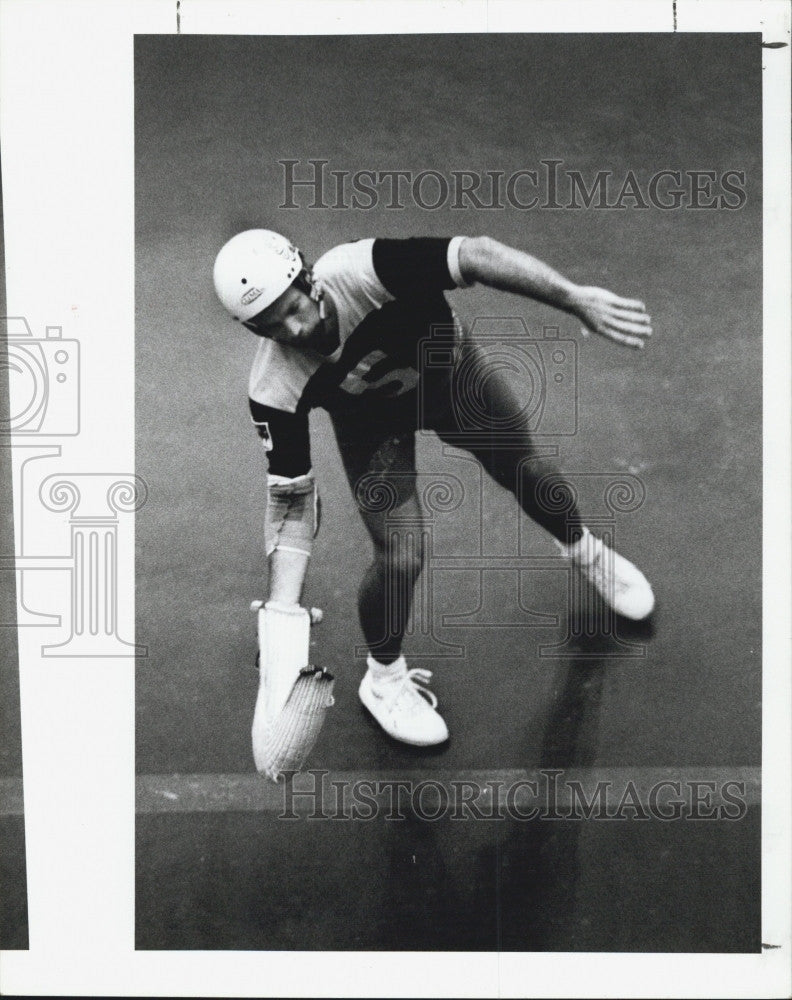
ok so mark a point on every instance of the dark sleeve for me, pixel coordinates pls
(285, 439)
(417, 267)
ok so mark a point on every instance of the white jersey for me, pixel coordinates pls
(388, 298)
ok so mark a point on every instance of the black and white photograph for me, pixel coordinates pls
(468, 296)
(410, 513)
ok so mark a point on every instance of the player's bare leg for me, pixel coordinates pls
(395, 696)
(518, 469)
(379, 461)
(386, 590)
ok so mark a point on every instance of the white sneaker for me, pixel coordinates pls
(622, 585)
(405, 711)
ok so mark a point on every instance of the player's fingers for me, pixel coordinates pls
(623, 338)
(619, 326)
(629, 303)
(634, 316)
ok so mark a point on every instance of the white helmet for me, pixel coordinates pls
(253, 269)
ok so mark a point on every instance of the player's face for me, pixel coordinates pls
(293, 319)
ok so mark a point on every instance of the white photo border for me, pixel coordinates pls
(66, 128)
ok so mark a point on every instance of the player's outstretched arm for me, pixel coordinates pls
(624, 321)
(292, 696)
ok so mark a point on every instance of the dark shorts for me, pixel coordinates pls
(467, 402)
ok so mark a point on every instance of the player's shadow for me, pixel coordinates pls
(535, 863)
(515, 891)
(521, 886)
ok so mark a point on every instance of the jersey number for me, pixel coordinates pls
(393, 383)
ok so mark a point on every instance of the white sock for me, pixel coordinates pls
(385, 673)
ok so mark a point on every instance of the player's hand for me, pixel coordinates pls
(622, 320)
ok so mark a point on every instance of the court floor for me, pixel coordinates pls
(525, 687)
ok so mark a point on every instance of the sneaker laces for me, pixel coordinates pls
(409, 689)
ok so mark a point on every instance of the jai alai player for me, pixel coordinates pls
(344, 335)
